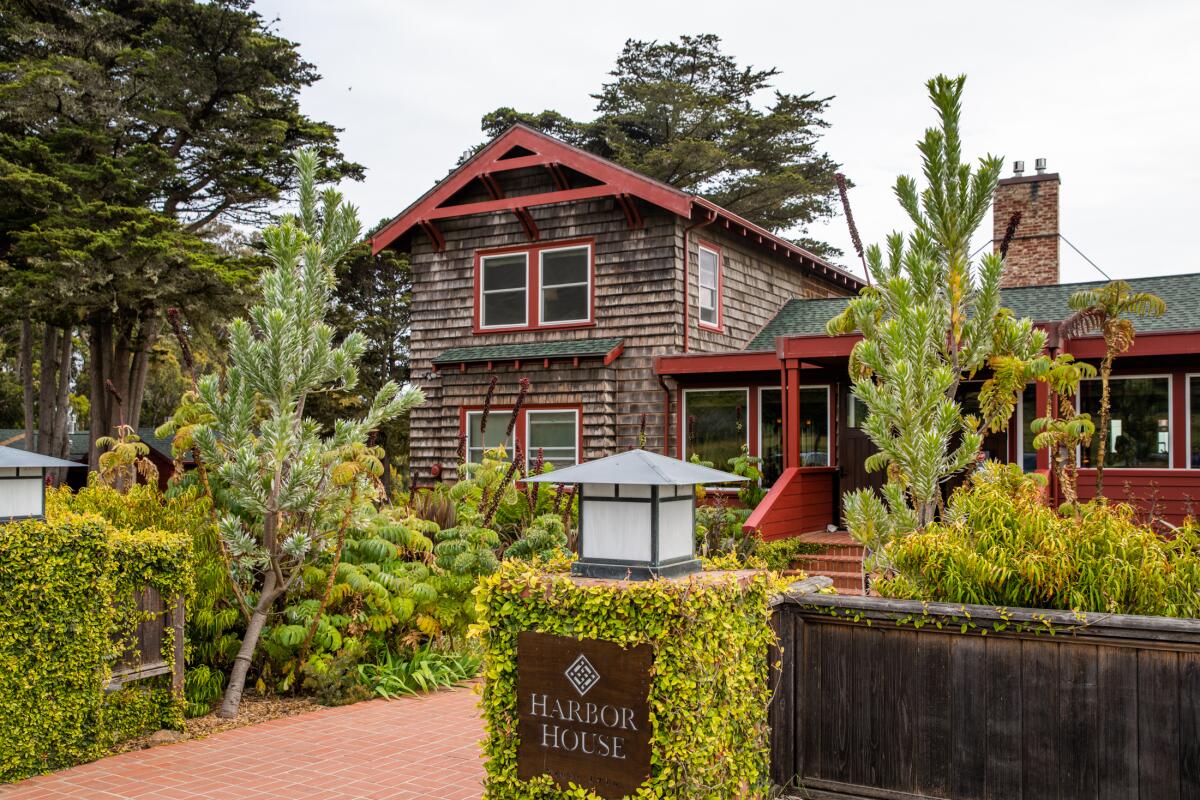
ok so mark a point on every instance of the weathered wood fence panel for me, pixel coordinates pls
(1106, 707)
(143, 658)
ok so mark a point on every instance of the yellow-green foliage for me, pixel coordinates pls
(66, 615)
(709, 690)
(1001, 545)
(55, 580)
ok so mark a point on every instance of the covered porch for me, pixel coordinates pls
(793, 408)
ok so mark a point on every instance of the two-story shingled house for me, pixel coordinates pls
(536, 259)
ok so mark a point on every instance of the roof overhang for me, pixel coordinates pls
(533, 148)
(707, 363)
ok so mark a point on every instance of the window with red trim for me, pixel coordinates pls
(556, 430)
(709, 280)
(550, 285)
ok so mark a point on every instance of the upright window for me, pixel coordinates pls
(1029, 412)
(1139, 427)
(565, 279)
(710, 287)
(479, 441)
(556, 433)
(770, 435)
(1194, 421)
(504, 284)
(540, 286)
(856, 411)
(814, 426)
(715, 424)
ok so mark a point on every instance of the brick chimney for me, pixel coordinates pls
(1033, 253)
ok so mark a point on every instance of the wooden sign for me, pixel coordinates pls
(583, 712)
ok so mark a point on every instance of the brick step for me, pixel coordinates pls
(845, 582)
(820, 564)
(840, 550)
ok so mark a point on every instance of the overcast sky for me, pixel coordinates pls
(1107, 92)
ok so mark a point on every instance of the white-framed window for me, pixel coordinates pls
(1139, 421)
(503, 290)
(556, 433)
(715, 424)
(1193, 412)
(709, 270)
(479, 441)
(1027, 412)
(565, 279)
(814, 426)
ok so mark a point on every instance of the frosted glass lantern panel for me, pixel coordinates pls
(675, 536)
(21, 497)
(615, 530)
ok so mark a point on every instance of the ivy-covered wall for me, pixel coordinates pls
(709, 688)
(65, 615)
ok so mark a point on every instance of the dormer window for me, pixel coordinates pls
(539, 286)
(709, 263)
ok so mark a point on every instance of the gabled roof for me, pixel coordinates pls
(637, 467)
(1039, 303)
(609, 349)
(577, 175)
(13, 457)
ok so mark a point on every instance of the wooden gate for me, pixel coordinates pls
(1069, 706)
(143, 658)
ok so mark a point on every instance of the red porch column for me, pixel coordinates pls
(791, 414)
(1179, 416)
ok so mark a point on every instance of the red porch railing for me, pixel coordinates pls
(802, 500)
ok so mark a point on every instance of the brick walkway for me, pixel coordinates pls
(418, 748)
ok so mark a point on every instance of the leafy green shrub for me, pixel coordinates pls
(66, 616)
(424, 671)
(213, 622)
(1001, 545)
(545, 539)
(779, 554)
(709, 689)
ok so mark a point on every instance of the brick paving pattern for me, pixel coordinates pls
(418, 748)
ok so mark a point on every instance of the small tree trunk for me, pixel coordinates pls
(26, 356)
(1105, 373)
(245, 657)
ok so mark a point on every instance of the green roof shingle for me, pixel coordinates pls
(1039, 303)
(562, 348)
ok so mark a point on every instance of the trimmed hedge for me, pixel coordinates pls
(65, 617)
(709, 688)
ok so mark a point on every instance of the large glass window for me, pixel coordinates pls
(556, 433)
(1139, 432)
(710, 287)
(770, 434)
(478, 440)
(716, 424)
(1029, 412)
(1194, 413)
(814, 426)
(566, 296)
(503, 290)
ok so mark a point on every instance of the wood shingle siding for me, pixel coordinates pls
(638, 289)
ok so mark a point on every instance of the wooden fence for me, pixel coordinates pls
(1106, 707)
(143, 657)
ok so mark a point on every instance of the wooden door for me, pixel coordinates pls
(854, 446)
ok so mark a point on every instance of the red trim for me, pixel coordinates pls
(632, 216)
(719, 326)
(435, 235)
(702, 363)
(533, 287)
(614, 354)
(816, 345)
(801, 501)
(501, 414)
(1146, 344)
(1179, 418)
(546, 151)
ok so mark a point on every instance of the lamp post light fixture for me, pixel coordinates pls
(23, 483)
(637, 514)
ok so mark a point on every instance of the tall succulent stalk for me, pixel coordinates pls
(288, 486)
(931, 320)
